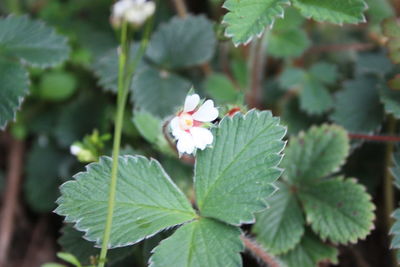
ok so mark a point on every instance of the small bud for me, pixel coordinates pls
(135, 12)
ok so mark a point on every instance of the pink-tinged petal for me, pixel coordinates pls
(207, 112)
(185, 143)
(201, 137)
(191, 102)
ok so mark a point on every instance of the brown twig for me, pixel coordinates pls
(15, 167)
(259, 252)
(376, 138)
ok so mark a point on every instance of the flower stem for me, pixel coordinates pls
(259, 252)
(121, 102)
(377, 138)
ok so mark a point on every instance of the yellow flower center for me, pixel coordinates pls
(185, 121)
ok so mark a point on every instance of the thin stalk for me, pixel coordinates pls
(375, 138)
(256, 249)
(180, 8)
(121, 101)
(388, 191)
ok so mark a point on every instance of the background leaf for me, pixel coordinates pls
(221, 89)
(339, 210)
(334, 11)
(183, 42)
(32, 41)
(14, 86)
(147, 201)
(248, 19)
(280, 227)
(391, 101)
(391, 29)
(203, 242)
(357, 107)
(234, 177)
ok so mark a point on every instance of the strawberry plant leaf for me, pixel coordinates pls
(391, 29)
(146, 202)
(247, 19)
(338, 210)
(150, 85)
(315, 154)
(391, 101)
(280, 227)
(309, 252)
(360, 98)
(235, 176)
(32, 41)
(14, 86)
(288, 43)
(183, 42)
(395, 231)
(204, 242)
(333, 11)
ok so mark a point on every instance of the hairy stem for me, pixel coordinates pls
(376, 138)
(121, 101)
(259, 252)
(388, 191)
(14, 175)
(256, 68)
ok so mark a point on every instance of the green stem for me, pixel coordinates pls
(14, 6)
(121, 102)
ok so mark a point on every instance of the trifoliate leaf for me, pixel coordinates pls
(72, 241)
(183, 42)
(221, 89)
(106, 67)
(333, 11)
(391, 29)
(32, 41)
(373, 63)
(14, 85)
(357, 107)
(338, 210)
(280, 227)
(395, 231)
(309, 252)
(292, 78)
(391, 101)
(43, 177)
(247, 19)
(315, 154)
(324, 72)
(146, 202)
(150, 86)
(234, 177)
(288, 43)
(204, 242)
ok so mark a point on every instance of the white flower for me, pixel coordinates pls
(188, 127)
(135, 12)
(75, 150)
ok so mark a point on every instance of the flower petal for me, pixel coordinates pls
(191, 102)
(185, 143)
(207, 112)
(201, 137)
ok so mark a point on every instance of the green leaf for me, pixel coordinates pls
(338, 209)
(32, 41)
(373, 63)
(43, 177)
(235, 176)
(183, 42)
(315, 154)
(69, 258)
(221, 89)
(309, 252)
(292, 78)
(151, 85)
(203, 242)
(391, 29)
(146, 202)
(14, 85)
(333, 11)
(378, 11)
(395, 170)
(395, 231)
(280, 227)
(315, 97)
(106, 67)
(72, 242)
(324, 72)
(150, 127)
(288, 43)
(53, 265)
(247, 19)
(357, 107)
(391, 101)
(394, 83)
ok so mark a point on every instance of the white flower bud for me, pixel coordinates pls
(135, 12)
